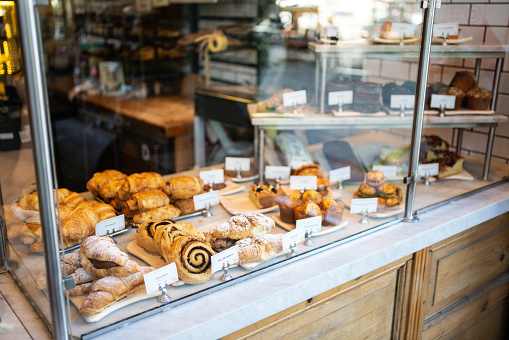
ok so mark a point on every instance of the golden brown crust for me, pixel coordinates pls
(146, 232)
(367, 190)
(99, 179)
(309, 170)
(311, 196)
(332, 212)
(307, 210)
(167, 212)
(387, 190)
(183, 187)
(139, 182)
(375, 178)
(109, 190)
(186, 206)
(286, 205)
(147, 200)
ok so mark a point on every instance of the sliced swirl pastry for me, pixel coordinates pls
(102, 257)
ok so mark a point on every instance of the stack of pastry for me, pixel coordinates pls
(105, 184)
(102, 271)
(178, 242)
(310, 204)
(389, 195)
(313, 169)
(249, 231)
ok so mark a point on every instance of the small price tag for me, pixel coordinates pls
(110, 225)
(363, 204)
(212, 176)
(143, 5)
(160, 3)
(277, 172)
(332, 31)
(389, 171)
(294, 98)
(402, 29)
(292, 238)
(303, 182)
(229, 256)
(313, 224)
(340, 174)
(442, 101)
(6, 135)
(24, 134)
(161, 277)
(445, 29)
(237, 163)
(340, 97)
(405, 101)
(430, 169)
(209, 198)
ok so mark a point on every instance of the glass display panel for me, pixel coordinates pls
(177, 118)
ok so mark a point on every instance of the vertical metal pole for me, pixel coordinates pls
(477, 69)
(422, 78)
(261, 154)
(493, 105)
(199, 140)
(28, 20)
(459, 141)
(317, 79)
(323, 80)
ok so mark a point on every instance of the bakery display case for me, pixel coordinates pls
(339, 158)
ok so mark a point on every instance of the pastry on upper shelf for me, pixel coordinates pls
(333, 86)
(464, 80)
(454, 91)
(99, 179)
(264, 196)
(449, 163)
(392, 88)
(367, 97)
(274, 101)
(286, 207)
(238, 227)
(332, 212)
(478, 98)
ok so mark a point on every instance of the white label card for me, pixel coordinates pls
(340, 97)
(389, 171)
(442, 101)
(297, 162)
(447, 29)
(277, 172)
(402, 101)
(6, 135)
(292, 238)
(143, 5)
(201, 201)
(430, 169)
(313, 224)
(237, 163)
(161, 277)
(160, 3)
(110, 225)
(294, 98)
(229, 257)
(24, 134)
(303, 182)
(340, 174)
(212, 176)
(402, 29)
(363, 204)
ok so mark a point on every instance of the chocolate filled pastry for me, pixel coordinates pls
(183, 187)
(100, 179)
(110, 289)
(145, 234)
(375, 178)
(307, 210)
(332, 212)
(168, 212)
(215, 186)
(165, 237)
(139, 182)
(259, 248)
(311, 196)
(109, 190)
(192, 257)
(102, 257)
(186, 206)
(147, 200)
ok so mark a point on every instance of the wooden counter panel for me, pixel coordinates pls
(471, 260)
(363, 308)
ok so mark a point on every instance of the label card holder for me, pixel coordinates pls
(402, 29)
(340, 97)
(212, 176)
(237, 163)
(430, 169)
(439, 101)
(277, 172)
(293, 238)
(110, 225)
(358, 205)
(390, 171)
(227, 257)
(303, 182)
(313, 224)
(340, 174)
(399, 101)
(294, 98)
(445, 29)
(161, 278)
(207, 199)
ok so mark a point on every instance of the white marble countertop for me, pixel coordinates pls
(228, 310)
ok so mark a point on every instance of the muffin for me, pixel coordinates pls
(287, 204)
(478, 98)
(464, 81)
(311, 196)
(322, 186)
(332, 212)
(454, 91)
(307, 210)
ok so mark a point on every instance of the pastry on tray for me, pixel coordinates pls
(435, 150)
(389, 195)
(287, 205)
(139, 182)
(183, 187)
(259, 248)
(478, 98)
(238, 227)
(264, 196)
(99, 179)
(168, 211)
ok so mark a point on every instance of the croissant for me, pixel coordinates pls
(81, 222)
(183, 187)
(100, 179)
(147, 200)
(139, 182)
(168, 211)
(62, 196)
(102, 257)
(242, 226)
(111, 289)
(259, 248)
(109, 190)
